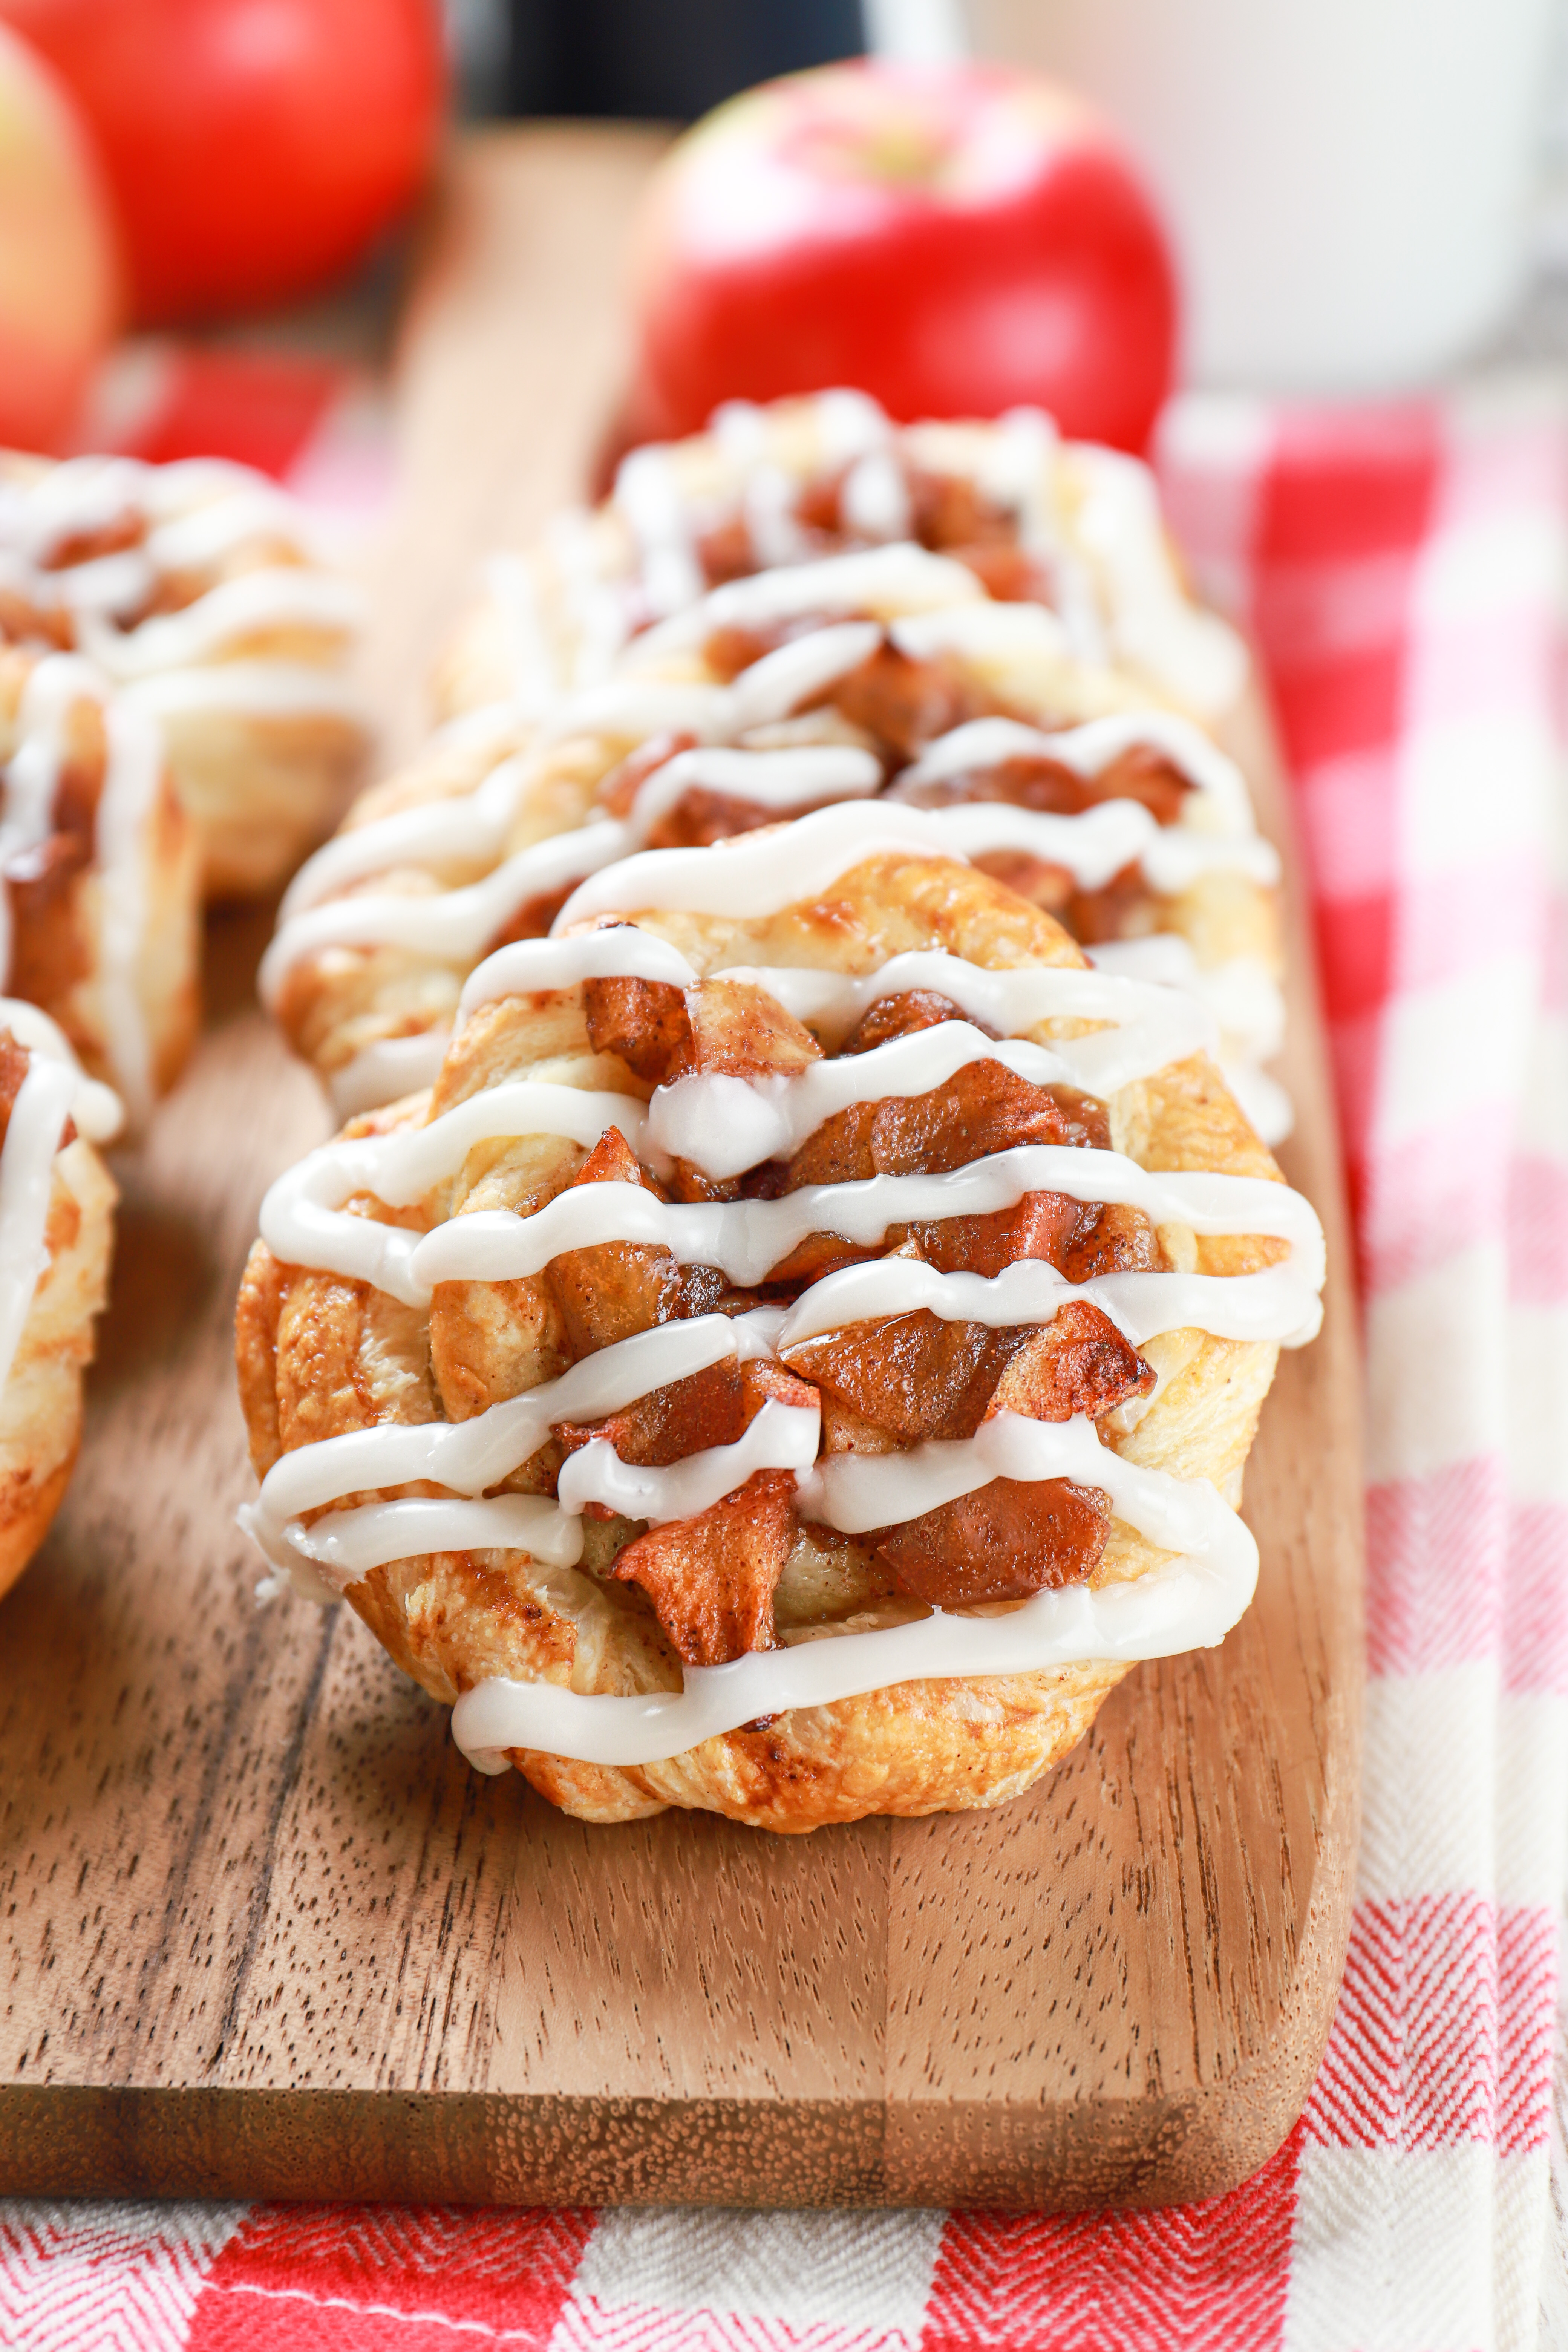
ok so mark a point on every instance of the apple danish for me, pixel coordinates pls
(199, 590)
(1064, 523)
(56, 1208)
(888, 670)
(801, 1353)
(99, 912)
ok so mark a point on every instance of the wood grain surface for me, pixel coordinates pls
(263, 1932)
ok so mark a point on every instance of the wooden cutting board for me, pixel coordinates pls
(262, 1932)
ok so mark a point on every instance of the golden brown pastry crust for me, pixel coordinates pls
(318, 1355)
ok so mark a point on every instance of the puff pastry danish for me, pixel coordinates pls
(1063, 523)
(198, 590)
(99, 873)
(803, 1349)
(56, 1205)
(885, 670)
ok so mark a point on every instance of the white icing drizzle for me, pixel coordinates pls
(780, 780)
(768, 491)
(444, 924)
(875, 500)
(466, 829)
(1243, 994)
(647, 493)
(283, 596)
(199, 535)
(1143, 1305)
(1095, 846)
(97, 1109)
(530, 967)
(1018, 469)
(303, 1221)
(388, 1069)
(346, 1545)
(782, 680)
(1013, 998)
(1189, 1604)
(54, 686)
(260, 689)
(1247, 1004)
(126, 807)
(1016, 998)
(781, 1438)
(879, 581)
(983, 632)
(858, 1492)
(1089, 750)
(44, 1102)
(471, 1455)
(633, 709)
(849, 425)
(757, 873)
(472, 827)
(726, 1125)
(1113, 583)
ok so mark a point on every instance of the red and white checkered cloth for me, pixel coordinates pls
(1404, 570)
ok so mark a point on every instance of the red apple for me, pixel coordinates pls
(59, 284)
(954, 241)
(254, 147)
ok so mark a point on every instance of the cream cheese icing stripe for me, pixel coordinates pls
(722, 1125)
(303, 1225)
(852, 1493)
(471, 1455)
(251, 690)
(1092, 847)
(1189, 1603)
(1186, 1604)
(343, 1546)
(1142, 1304)
(757, 873)
(725, 1124)
(881, 581)
(271, 597)
(747, 1238)
(125, 810)
(97, 1109)
(443, 924)
(1242, 993)
(387, 1070)
(473, 826)
(44, 1102)
(1088, 750)
(448, 831)
(774, 780)
(1098, 843)
(196, 511)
